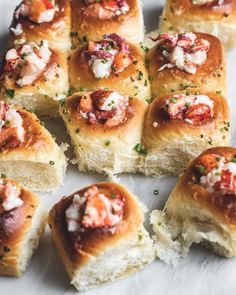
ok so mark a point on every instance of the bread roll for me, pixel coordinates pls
(29, 154)
(34, 21)
(201, 208)
(92, 21)
(120, 67)
(216, 17)
(22, 222)
(106, 247)
(180, 126)
(104, 127)
(191, 61)
(36, 82)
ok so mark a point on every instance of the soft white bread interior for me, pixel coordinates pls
(98, 256)
(118, 263)
(32, 238)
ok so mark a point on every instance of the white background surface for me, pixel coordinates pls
(200, 273)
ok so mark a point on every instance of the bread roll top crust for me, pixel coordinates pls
(81, 245)
(190, 188)
(36, 137)
(213, 65)
(133, 109)
(159, 125)
(59, 25)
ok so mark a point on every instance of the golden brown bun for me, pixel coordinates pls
(128, 82)
(42, 96)
(57, 32)
(172, 143)
(91, 255)
(181, 16)
(37, 155)
(20, 229)
(223, 207)
(210, 76)
(193, 214)
(129, 25)
(104, 148)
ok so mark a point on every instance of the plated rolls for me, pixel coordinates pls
(36, 20)
(35, 76)
(28, 153)
(99, 235)
(189, 61)
(22, 222)
(92, 19)
(212, 17)
(105, 126)
(111, 63)
(201, 208)
(179, 126)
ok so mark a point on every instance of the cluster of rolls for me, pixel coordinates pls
(126, 109)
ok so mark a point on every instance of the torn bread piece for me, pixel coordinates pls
(200, 209)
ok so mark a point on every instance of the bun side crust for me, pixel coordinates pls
(126, 83)
(93, 243)
(129, 25)
(38, 161)
(57, 32)
(15, 225)
(210, 76)
(222, 207)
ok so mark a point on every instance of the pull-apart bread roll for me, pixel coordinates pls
(37, 20)
(217, 17)
(187, 61)
(180, 126)
(22, 223)
(99, 234)
(201, 208)
(111, 63)
(104, 127)
(91, 19)
(35, 77)
(28, 153)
